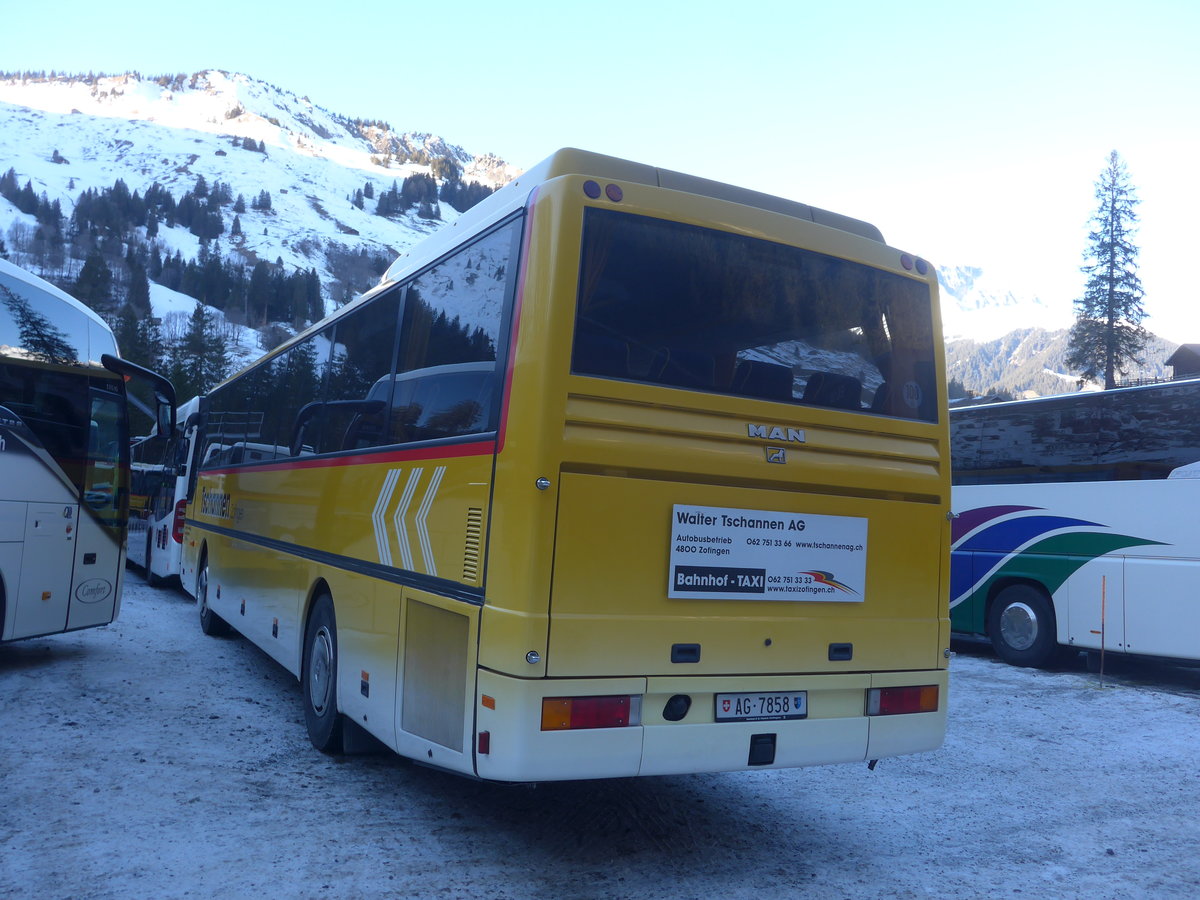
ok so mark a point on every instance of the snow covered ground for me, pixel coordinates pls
(147, 760)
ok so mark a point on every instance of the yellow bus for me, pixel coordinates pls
(624, 472)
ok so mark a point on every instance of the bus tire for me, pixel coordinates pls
(1022, 628)
(151, 579)
(210, 623)
(318, 676)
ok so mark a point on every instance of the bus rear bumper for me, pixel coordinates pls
(511, 744)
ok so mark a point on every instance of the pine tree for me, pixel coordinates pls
(139, 338)
(95, 283)
(1108, 335)
(199, 359)
(139, 290)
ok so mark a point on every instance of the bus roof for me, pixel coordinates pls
(64, 311)
(570, 161)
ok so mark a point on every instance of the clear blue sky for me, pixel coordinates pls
(969, 133)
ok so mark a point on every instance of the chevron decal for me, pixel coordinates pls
(401, 519)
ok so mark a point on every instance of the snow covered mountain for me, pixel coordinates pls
(67, 135)
(1001, 340)
(325, 179)
(977, 307)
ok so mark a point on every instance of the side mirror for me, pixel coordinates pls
(165, 418)
(164, 393)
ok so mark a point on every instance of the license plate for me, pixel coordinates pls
(762, 707)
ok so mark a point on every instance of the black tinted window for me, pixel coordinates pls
(363, 352)
(691, 307)
(446, 378)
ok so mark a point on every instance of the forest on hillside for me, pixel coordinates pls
(107, 252)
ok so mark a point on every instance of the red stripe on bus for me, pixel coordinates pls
(454, 451)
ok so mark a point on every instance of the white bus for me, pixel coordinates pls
(162, 472)
(1078, 524)
(64, 460)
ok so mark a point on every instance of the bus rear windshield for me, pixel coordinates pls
(687, 307)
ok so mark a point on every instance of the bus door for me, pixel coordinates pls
(99, 548)
(45, 583)
(39, 518)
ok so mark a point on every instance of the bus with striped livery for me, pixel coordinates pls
(1076, 524)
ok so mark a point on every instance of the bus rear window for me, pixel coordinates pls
(687, 307)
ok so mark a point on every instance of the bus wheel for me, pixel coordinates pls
(318, 675)
(1021, 627)
(210, 623)
(151, 579)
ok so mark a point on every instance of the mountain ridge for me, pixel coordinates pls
(325, 176)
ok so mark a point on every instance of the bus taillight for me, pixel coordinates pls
(566, 713)
(898, 700)
(177, 525)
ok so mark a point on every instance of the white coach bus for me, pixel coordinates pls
(1078, 524)
(64, 460)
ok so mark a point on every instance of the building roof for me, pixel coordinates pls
(1186, 355)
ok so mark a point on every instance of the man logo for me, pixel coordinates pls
(776, 433)
(776, 455)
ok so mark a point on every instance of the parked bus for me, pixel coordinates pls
(146, 474)
(1077, 524)
(64, 460)
(163, 469)
(624, 472)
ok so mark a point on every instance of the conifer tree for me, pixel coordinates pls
(139, 338)
(1108, 335)
(199, 359)
(139, 290)
(94, 284)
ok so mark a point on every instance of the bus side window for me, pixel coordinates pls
(360, 365)
(448, 342)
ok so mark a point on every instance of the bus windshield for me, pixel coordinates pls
(673, 304)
